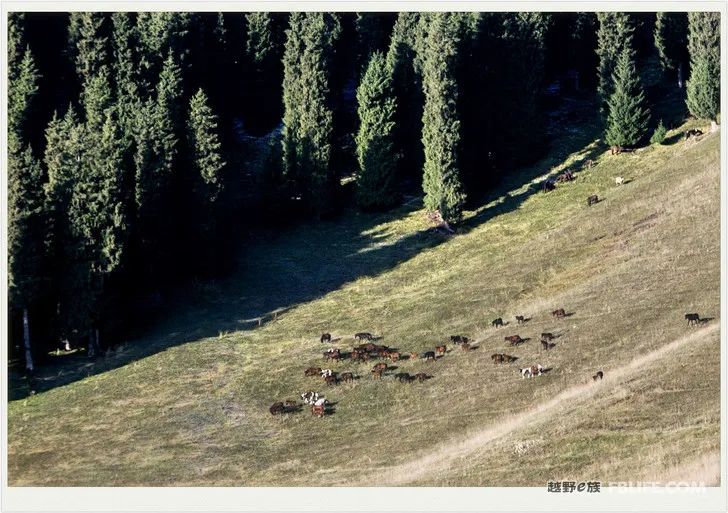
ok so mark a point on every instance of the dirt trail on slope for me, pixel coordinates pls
(441, 457)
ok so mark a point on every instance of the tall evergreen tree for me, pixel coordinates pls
(206, 147)
(124, 67)
(376, 184)
(615, 34)
(373, 32)
(161, 34)
(25, 195)
(264, 50)
(441, 126)
(16, 41)
(671, 41)
(89, 42)
(628, 116)
(24, 87)
(409, 98)
(63, 160)
(208, 166)
(308, 117)
(97, 224)
(703, 88)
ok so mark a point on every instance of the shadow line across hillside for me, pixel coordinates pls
(298, 265)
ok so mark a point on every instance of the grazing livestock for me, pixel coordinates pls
(459, 339)
(520, 319)
(619, 180)
(566, 176)
(598, 375)
(403, 377)
(413, 356)
(548, 185)
(514, 340)
(312, 371)
(695, 132)
(429, 355)
(497, 322)
(616, 150)
(277, 408)
(326, 372)
(332, 354)
(347, 376)
(394, 356)
(592, 200)
(290, 405)
(377, 373)
(380, 367)
(589, 164)
(318, 410)
(363, 336)
(331, 380)
(466, 346)
(440, 350)
(310, 397)
(692, 318)
(325, 337)
(508, 358)
(547, 336)
(497, 358)
(559, 314)
(421, 376)
(532, 371)
(547, 345)
(321, 401)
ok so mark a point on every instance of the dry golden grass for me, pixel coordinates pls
(628, 269)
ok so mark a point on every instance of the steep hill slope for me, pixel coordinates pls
(627, 270)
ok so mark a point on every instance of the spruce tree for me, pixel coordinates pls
(671, 41)
(703, 87)
(628, 116)
(16, 45)
(97, 224)
(262, 45)
(615, 35)
(208, 167)
(23, 88)
(88, 37)
(376, 184)
(409, 98)
(206, 148)
(292, 96)
(441, 125)
(25, 196)
(373, 32)
(308, 116)
(161, 34)
(63, 160)
(124, 67)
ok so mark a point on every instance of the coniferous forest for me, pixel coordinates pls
(147, 150)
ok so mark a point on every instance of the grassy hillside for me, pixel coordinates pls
(188, 405)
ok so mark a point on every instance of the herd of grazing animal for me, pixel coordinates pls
(320, 406)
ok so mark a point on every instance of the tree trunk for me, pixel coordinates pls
(26, 342)
(91, 344)
(680, 81)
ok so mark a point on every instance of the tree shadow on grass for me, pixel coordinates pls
(284, 269)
